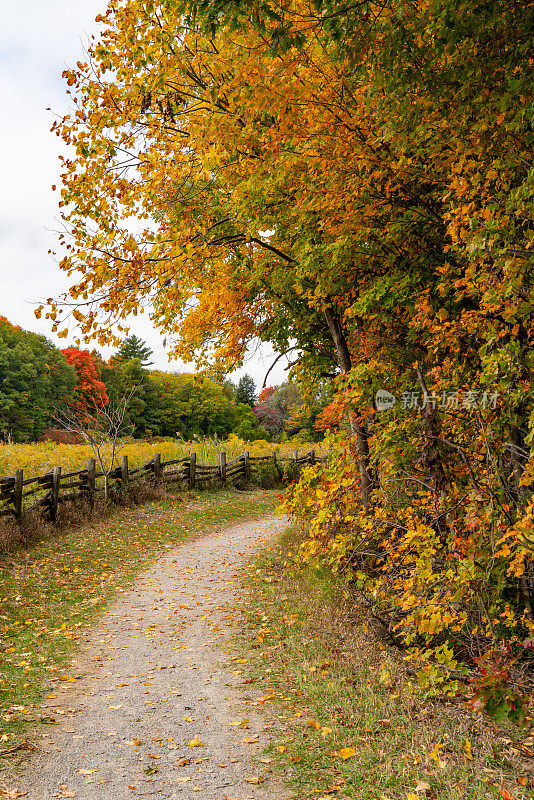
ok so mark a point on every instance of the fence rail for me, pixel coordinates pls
(49, 490)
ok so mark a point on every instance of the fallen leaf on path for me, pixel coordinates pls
(325, 731)
(183, 762)
(114, 708)
(422, 786)
(238, 722)
(249, 739)
(281, 748)
(505, 794)
(64, 791)
(183, 779)
(12, 793)
(136, 742)
(255, 779)
(435, 755)
(86, 771)
(313, 724)
(195, 742)
(468, 753)
(265, 760)
(346, 752)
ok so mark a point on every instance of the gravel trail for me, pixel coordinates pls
(152, 681)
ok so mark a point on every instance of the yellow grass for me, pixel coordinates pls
(40, 457)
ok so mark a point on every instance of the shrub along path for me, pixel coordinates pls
(150, 710)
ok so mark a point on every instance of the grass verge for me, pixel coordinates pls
(53, 587)
(348, 720)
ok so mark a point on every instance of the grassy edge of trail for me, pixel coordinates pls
(348, 721)
(53, 587)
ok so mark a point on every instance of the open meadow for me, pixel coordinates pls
(40, 457)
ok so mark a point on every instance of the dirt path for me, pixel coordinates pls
(152, 681)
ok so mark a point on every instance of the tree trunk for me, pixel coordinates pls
(430, 457)
(360, 434)
(518, 457)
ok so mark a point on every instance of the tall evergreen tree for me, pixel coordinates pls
(133, 347)
(246, 391)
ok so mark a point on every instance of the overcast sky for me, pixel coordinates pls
(37, 42)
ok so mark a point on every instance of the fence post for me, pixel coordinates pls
(157, 467)
(222, 468)
(296, 456)
(312, 457)
(91, 481)
(124, 472)
(247, 465)
(17, 494)
(54, 494)
(276, 466)
(192, 469)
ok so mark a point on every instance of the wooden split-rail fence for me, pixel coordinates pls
(45, 493)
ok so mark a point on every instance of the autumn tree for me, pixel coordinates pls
(353, 185)
(273, 411)
(90, 390)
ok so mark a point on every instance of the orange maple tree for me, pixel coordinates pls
(90, 392)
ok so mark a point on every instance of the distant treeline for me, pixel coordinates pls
(37, 381)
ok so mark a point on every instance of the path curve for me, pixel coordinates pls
(152, 680)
